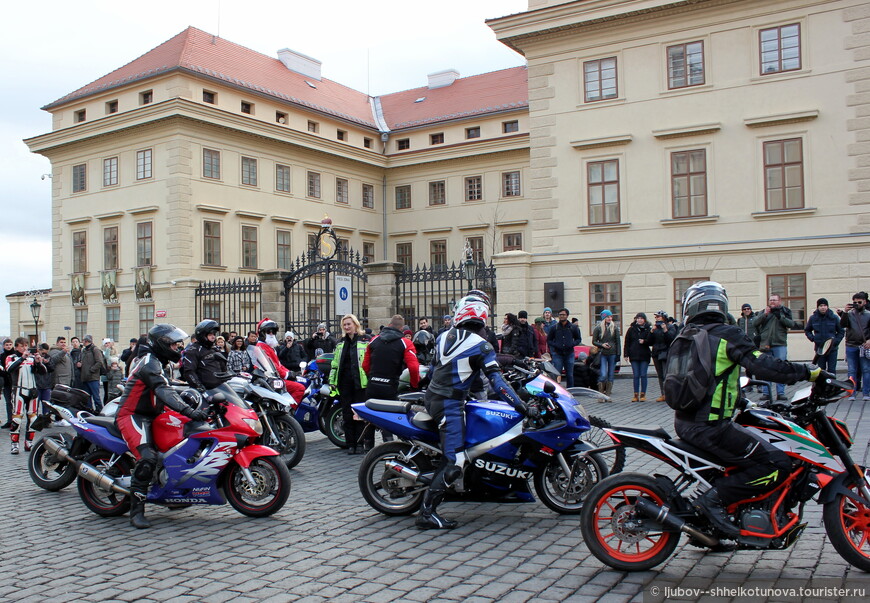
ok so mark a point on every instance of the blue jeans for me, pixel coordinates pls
(778, 351)
(608, 365)
(638, 373)
(828, 362)
(859, 369)
(564, 361)
(93, 388)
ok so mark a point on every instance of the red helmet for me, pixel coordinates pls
(267, 326)
(470, 309)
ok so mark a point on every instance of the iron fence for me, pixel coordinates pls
(431, 292)
(235, 304)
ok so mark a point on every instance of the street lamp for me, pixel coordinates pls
(469, 267)
(35, 308)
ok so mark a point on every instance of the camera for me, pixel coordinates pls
(659, 323)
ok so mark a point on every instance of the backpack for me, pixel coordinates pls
(690, 377)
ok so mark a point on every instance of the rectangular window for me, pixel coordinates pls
(438, 254)
(602, 189)
(143, 244)
(436, 193)
(247, 108)
(146, 318)
(81, 318)
(368, 196)
(513, 241)
(604, 296)
(792, 289)
(686, 65)
(403, 254)
(312, 241)
(314, 185)
(368, 252)
(80, 178)
(780, 49)
(436, 138)
(110, 171)
(474, 188)
(249, 246)
(211, 237)
(680, 286)
(509, 127)
(146, 98)
(783, 174)
(282, 178)
(367, 143)
(111, 107)
(280, 117)
(143, 164)
(599, 79)
(209, 97)
(80, 251)
(249, 171)
(313, 126)
(510, 184)
(212, 310)
(341, 135)
(113, 323)
(80, 116)
(476, 244)
(285, 260)
(403, 144)
(341, 195)
(472, 132)
(211, 164)
(110, 248)
(403, 197)
(689, 183)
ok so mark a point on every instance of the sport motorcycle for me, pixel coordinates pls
(206, 463)
(504, 452)
(633, 521)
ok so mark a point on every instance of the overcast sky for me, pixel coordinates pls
(51, 48)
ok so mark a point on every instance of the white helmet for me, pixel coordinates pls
(470, 309)
(706, 297)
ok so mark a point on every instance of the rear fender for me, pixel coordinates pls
(247, 455)
(838, 486)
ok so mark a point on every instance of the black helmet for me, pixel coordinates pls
(266, 326)
(204, 329)
(160, 339)
(706, 297)
(423, 339)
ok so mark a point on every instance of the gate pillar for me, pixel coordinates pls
(382, 292)
(272, 295)
(514, 280)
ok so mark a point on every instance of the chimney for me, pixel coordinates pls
(440, 79)
(300, 63)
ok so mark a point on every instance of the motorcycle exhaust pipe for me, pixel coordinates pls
(664, 517)
(85, 470)
(408, 473)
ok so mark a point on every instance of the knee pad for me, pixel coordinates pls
(451, 474)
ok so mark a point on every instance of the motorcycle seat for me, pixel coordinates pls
(108, 423)
(395, 406)
(686, 447)
(656, 431)
(424, 420)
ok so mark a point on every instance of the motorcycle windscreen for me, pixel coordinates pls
(261, 361)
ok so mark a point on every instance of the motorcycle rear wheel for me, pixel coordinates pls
(290, 439)
(614, 459)
(102, 502)
(385, 491)
(335, 426)
(847, 524)
(267, 496)
(552, 487)
(605, 524)
(46, 470)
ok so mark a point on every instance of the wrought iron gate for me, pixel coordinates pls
(235, 304)
(431, 293)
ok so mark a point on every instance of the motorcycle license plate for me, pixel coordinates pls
(277, 384)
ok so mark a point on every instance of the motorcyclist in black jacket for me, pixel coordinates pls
(201, 361)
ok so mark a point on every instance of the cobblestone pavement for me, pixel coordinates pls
(328, 544)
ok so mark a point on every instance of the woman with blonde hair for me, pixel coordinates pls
(348, 376)
(607, 338)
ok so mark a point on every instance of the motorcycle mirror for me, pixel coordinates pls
(219, 398)
(744, 382)
(302, 365)
(549, 388)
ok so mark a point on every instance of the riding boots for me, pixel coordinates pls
(137, 511)
(711, 506)
(428, 519)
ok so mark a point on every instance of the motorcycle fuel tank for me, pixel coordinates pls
(487, 420)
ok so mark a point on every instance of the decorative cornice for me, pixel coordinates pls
(607, 141)
(145, 209)
(212, 209)
(512, 222)
(284, 219)
(109, 215)
(687, 131)
(435, 230)
(253, 215)
(688, 221)
(604, 227)
(369, 233)
(403, 233)
(784, 213)
(480, 226)
(82, 220)
(782, 118)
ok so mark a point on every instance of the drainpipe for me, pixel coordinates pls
(378, 114)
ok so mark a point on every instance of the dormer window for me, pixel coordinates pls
(80, 116)
(247, 108)
(111, 107)
(146, 97)
(209, 97)
(280, 117)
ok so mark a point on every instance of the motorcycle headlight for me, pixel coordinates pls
(579, 408)
(325, 390)
(255, 425)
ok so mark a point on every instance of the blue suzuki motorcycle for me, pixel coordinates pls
(504, 453)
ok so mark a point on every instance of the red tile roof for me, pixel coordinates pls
(475, 95)
(196, 51)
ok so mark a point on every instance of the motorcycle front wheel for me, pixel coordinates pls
(46, 470)
(288, 439)
(269, 492)
(106, 503)
(335, 426)
(618, 535)
(614, 459)
(847, 523)
(565, 493)
(385, 490)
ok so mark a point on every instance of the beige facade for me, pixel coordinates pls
(609, 117)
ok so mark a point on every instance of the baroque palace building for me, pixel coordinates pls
(646, 145)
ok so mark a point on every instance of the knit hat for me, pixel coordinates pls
(745, 307)
(606, 313)
(407, 332)
(447, 317)
(289, 335)
(640, 315)
(822, 301)
(523, 314)
(321, 326)
(539, 320)
(548, 309)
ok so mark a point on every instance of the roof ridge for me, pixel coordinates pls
(467, 77)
